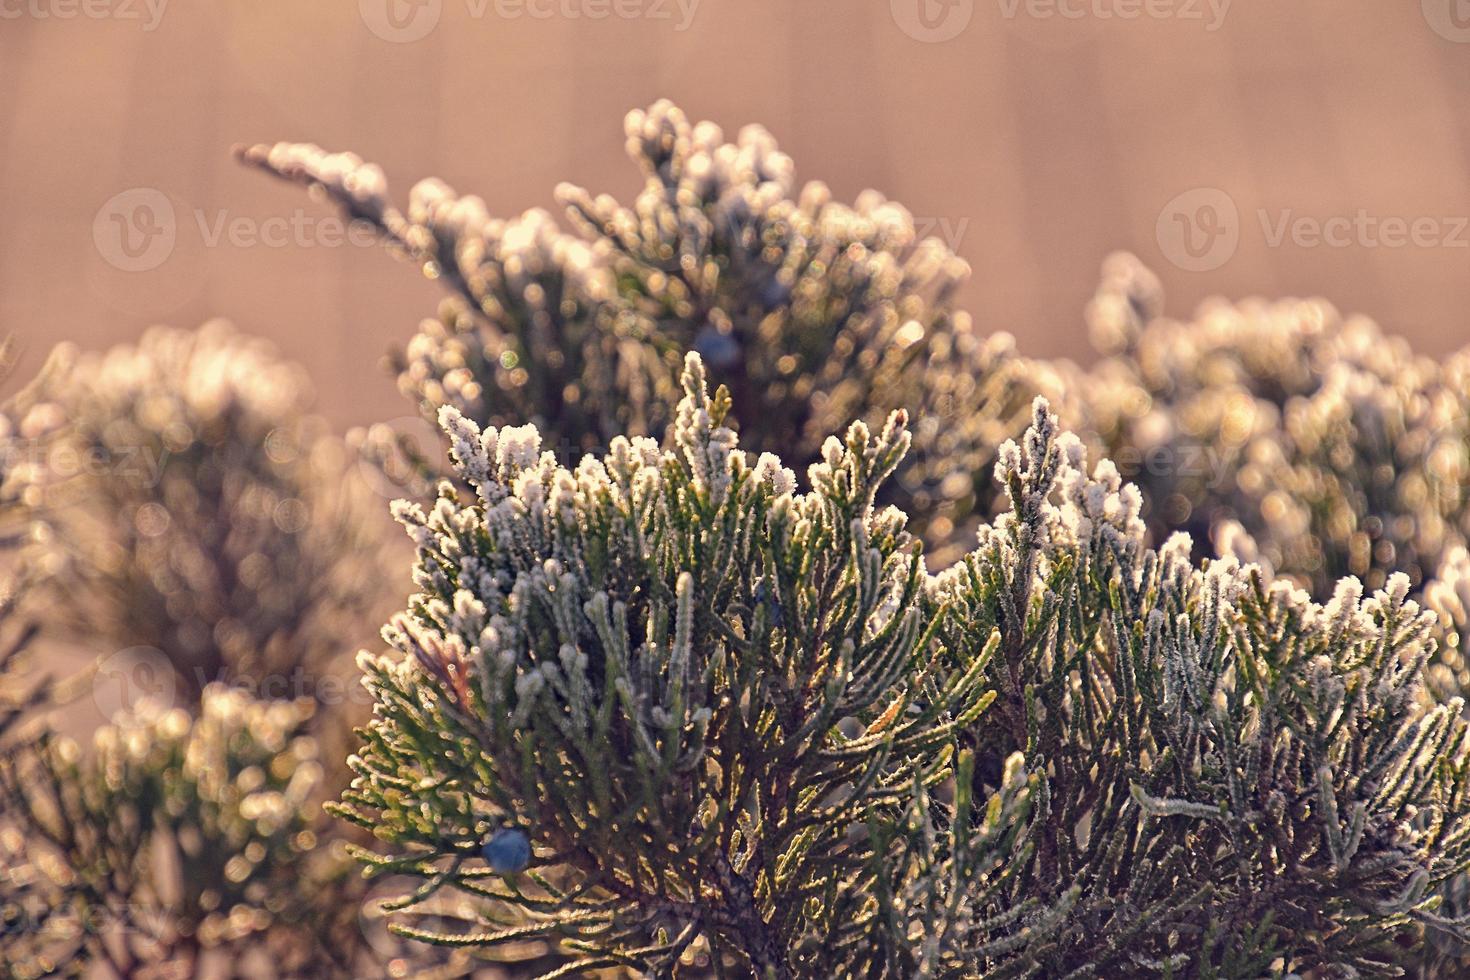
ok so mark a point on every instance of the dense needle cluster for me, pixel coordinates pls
(647, 665)
(174, 841)
(812, 312)
(1334, 448)
(1286, 434)
(1278, 431)
(744, 728)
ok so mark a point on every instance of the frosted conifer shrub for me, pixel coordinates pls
(689, 686)
(177, 843)
(197, 508)
(1335, 448)
(812, 312)
(1241, 782)
(676, 714)
(1288, 434)
(187, 504)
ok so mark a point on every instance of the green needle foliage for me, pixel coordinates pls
(746, 733)
(176, 842)
(1240, 782)
(1282, 432)
(662, 711)
(648, 665)
(811, 312)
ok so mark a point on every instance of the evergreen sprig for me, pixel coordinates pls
(172, 840)
(1238, 780)
(744, 731)
(812, 312)
(688, 684)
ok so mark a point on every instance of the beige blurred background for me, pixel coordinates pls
(1035, 135)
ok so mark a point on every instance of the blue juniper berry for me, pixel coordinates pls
(508, 851)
